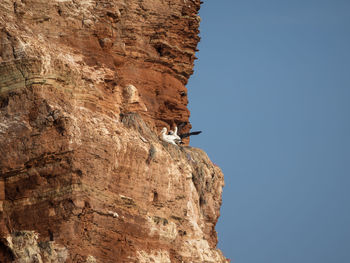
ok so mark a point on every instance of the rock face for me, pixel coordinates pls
(85, 87)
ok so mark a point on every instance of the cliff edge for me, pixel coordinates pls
(85, 87)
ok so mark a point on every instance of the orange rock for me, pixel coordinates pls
(85, 88)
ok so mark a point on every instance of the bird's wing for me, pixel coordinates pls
(180, 126)
(184, 135)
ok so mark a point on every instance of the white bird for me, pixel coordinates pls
(169, 138)
(177, 137)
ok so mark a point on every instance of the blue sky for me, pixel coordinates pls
(271, 92)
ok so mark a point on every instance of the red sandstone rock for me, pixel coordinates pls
(76, 166)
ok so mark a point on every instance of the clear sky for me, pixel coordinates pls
(271, 92)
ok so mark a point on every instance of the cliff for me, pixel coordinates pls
(85, 87)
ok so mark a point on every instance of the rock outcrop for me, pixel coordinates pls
(85, 87)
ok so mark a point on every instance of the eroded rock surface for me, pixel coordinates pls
(85, 87)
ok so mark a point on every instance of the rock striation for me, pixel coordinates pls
(85, 87)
